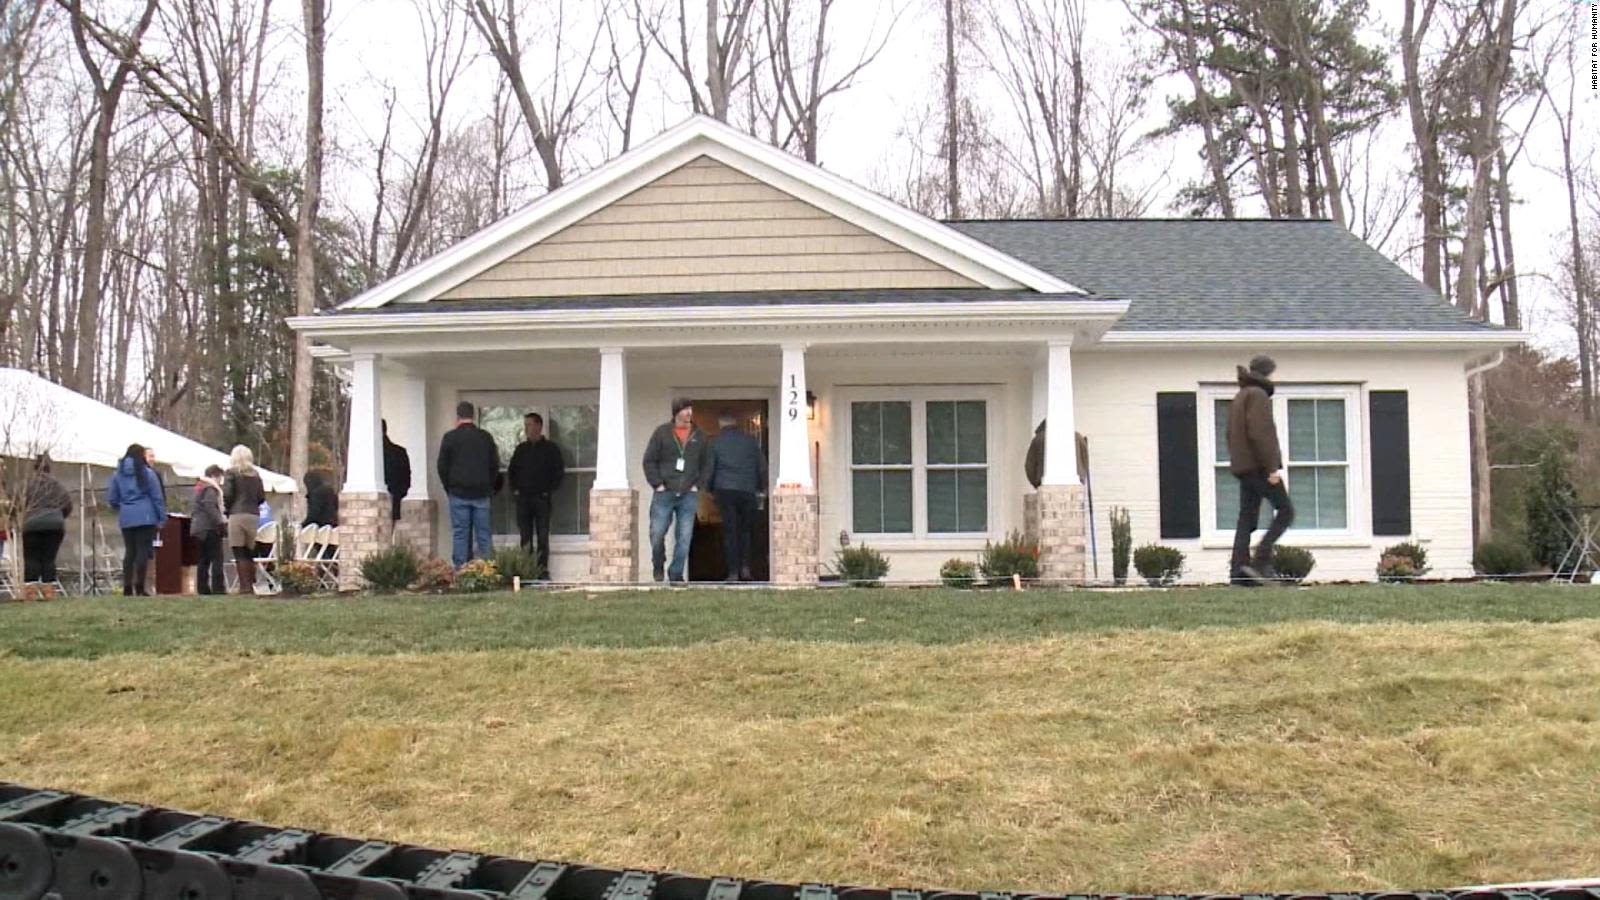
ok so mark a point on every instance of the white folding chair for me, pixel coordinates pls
(328, 558)
(266, 559)
(305, 541)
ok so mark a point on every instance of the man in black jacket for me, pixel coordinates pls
(469, 467)
(736, 471)
(396, 472)
(534, 474)
(674, 464)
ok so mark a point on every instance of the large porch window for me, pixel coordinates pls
(920, 467)
(1318, 429)
(570, 420)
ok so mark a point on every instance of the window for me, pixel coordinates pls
(880, 467)
(1317, 430)
(573, 426)
(919, 467)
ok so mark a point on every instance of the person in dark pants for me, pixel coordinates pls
(135, 493)
(674, 465)
(244, 500)
(736, 471)
(1256, 459)
(396, 472)
(209, 529)
(45, 527)
(469, 466)
(535, 472)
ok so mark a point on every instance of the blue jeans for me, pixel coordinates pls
(469, 525)
(664, 505)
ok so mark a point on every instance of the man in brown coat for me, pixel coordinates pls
(1257, 461)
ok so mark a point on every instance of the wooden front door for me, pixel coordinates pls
(706, 559)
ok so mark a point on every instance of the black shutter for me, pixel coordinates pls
(1391, 463)
(1178, 462)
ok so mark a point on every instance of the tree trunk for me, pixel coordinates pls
(1429, 170)
(305, 262)
(1191, 67)
(952, 115)
(1291, 164)
(1511, 306)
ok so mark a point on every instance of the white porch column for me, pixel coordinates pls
(405, 408)
(794, 435)
(1041, 389)
(611, 454)
(1060, 445)
(364, 462)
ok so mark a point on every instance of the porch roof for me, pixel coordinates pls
(730, 300)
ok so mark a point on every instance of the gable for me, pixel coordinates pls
(706, 227)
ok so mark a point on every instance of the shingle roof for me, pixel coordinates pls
(1228, 275)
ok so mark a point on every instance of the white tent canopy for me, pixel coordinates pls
(39, 416)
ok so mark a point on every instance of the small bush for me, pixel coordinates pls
(1159, 565)
(861, 566)
(477, 576)
(1549, 507)
(298, 578)
(1403, 561)
(392, 570)
(1121, 543)
(517, 562)
(1016, 555)
(958, 573)
(1293, 563)
(1503, 557)
(434, 576)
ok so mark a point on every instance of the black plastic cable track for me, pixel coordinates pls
(68, 846)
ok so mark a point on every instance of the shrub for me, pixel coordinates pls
(1502, 557)
(1121, 543)
(1413, 553)
(517, 562)
(298, 578)
(1293, 563)
(391, 570)
(1016, 555)
(860, 566)
(477, 576)
(958, 573)
(434, 576)
(1159, 565)
(1395, 568)
(1548, 508)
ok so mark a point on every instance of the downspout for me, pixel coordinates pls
(1493, 363)
(1479, 409)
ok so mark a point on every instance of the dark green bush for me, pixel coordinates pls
(1121, 543)
(1293, 563)
(1412, 552)
(1548, 507)
(517, 562)
(861, 566)
(391, 570)
(1015, 555)
(958, 573)
(1502, 557)
(1159, 565)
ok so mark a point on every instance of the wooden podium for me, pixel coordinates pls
(174, 553)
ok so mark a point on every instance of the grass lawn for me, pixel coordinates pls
(1330, 738)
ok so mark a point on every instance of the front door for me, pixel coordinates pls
(706, 559)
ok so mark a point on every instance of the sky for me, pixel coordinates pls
(377, 45)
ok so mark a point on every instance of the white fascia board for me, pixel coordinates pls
(1328, 338)
(426, 321)
(701, 136)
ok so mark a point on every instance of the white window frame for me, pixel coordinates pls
(1358, 520)
(539, 402)
(919, 397)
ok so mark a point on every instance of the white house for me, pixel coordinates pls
(895, 367)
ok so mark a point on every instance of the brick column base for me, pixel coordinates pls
(1030, 517)
(795, 540)
(614, 536)
(364, 529)
(418, 527)
(1061, 529)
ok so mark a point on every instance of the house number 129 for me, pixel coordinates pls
(794, 400)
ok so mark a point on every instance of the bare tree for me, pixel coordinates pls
(727, 44)
(1041, 44)
(1566, 111)
(1485, 79)
(622, 88)
(314, 16)
(797, 47)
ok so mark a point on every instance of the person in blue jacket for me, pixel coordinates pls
(135, 493)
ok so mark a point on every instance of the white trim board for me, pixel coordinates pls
(703, 136)
(1264, 336)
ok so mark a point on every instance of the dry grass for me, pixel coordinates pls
(1295, 756)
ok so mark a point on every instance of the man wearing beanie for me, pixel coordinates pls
(1257, 461)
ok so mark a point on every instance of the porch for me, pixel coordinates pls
(906, 436)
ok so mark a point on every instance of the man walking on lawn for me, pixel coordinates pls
(674, 464)
(469, 467)
(1256, 459)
